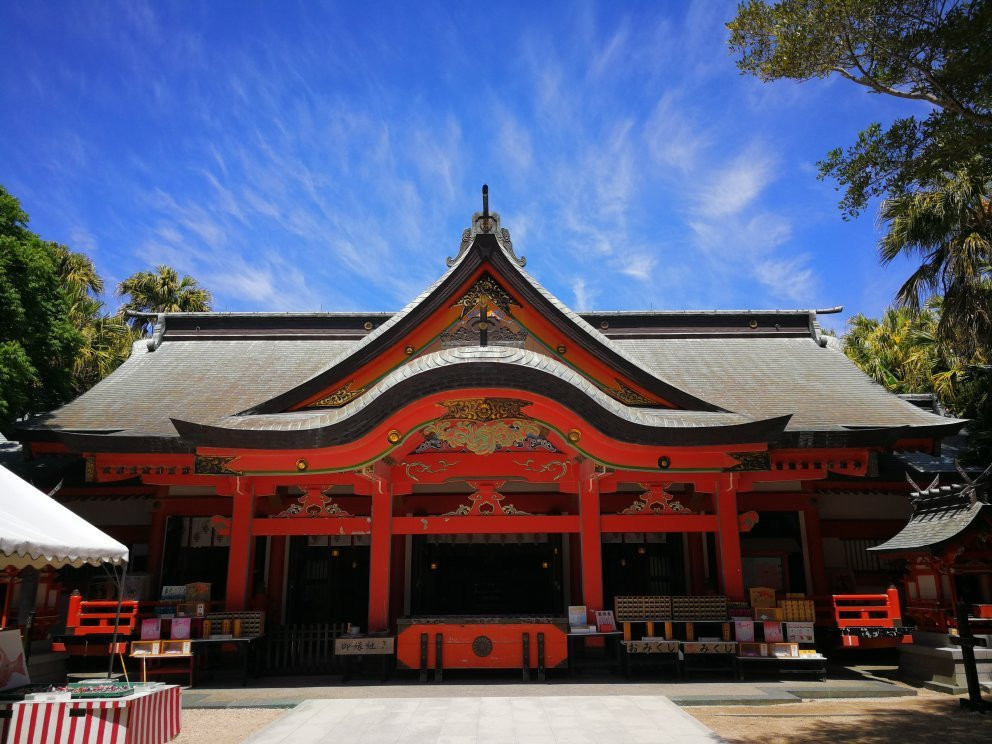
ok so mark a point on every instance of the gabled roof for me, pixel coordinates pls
(231, 371)
(487, 247)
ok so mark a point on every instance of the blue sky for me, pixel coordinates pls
(319, 156)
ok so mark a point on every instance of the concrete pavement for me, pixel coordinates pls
(543, 719)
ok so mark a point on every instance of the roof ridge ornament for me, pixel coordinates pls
(486, 222)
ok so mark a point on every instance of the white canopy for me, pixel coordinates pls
(36, 530)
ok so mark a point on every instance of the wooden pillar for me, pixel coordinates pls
(379, 554)
(729, 541)
(239, 556)
(591, 541)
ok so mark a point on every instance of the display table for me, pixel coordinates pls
(150, 715)
(470, 642)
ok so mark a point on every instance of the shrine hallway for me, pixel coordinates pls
(600, 719)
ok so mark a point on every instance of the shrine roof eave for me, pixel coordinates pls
(485, 249)
(930, 529)
(504, 370)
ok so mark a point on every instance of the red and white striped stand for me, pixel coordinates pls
(146, 717)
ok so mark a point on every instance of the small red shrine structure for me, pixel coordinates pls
(947, 546)
(486, 449)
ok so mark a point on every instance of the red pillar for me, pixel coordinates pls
(729, 540)
(591, 540)
(814, 547)
(239, 556)
(379, 554)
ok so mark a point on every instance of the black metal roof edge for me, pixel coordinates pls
(865, 436)
(484, 248)
(88, 442)
(484, 374)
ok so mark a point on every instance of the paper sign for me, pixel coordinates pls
(151, 629)
(180, 628)
(773, 632)
(744, 630)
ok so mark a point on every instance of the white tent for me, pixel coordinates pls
(36, 530)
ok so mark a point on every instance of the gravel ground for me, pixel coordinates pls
(913, 720)
(225, 726)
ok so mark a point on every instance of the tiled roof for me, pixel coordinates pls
(204, 380)
(755, 366)
(942, 513)
(820, 387)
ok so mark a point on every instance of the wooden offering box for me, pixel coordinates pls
(469, 642)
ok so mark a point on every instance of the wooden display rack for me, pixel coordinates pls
(681, 648)
(160, 653)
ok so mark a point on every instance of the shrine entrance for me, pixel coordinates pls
(497, 574)
(636, 564)
(327, 581)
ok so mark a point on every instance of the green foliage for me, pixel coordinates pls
(924, 50)
(38, 343)
(949, 227)
(161, 291)
(904, 352)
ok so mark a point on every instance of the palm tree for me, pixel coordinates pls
(162, 291)
(950, 227)
(896, 351)
(107, 341)
(76, 269)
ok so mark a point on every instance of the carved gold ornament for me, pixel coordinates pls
(486, 501)
(485, 437)
(425, 468)
(485, 409)
(313, 503)
(215, 465)
(552, 466)
(393, 436)
(655, 500)
(340, 396)
(485, 293)
(626, 394)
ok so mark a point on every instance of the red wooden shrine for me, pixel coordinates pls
(486, 412)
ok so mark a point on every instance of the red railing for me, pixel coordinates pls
(867, 610)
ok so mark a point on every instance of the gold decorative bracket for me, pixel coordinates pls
(314, 503)
(655, 500)
(486, 501)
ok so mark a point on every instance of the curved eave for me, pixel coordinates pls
(932, 530)
(494, 368)
(484, 249)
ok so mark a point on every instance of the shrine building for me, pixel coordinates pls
(486, 450)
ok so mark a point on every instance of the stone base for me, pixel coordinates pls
(936, 663)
